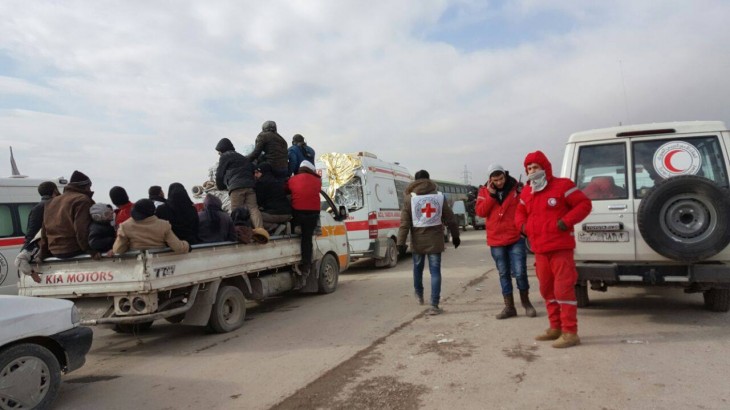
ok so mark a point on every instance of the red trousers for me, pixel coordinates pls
(557, 275)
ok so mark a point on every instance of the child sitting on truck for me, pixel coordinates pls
(146, 231)
(101, 230)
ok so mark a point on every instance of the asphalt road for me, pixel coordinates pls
(368, 345)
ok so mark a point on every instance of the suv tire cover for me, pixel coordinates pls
(686, 218)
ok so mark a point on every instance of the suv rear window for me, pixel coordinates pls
(709, 163)
(602, 171)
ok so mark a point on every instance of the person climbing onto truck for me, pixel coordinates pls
(271, 147)
(497, 203)
(549, 208)
(235, 173)
(298, 152)
(304, 188)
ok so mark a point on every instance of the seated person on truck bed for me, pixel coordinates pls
(215, 223)
(101, 231)
(66, 220)
(146, 231)
(272, 199)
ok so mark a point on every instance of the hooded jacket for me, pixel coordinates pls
(215, 224)
(428, 240)
(181, 214)
(274, 148)
(234, 170)
(299, 153)
(500, 217)
(35, 219)
(304, 188)
(66, 221)
(538, 212)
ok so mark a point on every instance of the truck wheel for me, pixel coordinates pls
(581, 295)
(30, 376)
(134, 329)
(229, 310)
(717, 300)
(329, 273)
(686, 218)
(391, 256)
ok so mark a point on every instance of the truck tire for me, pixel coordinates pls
(329, 273)
(229, 310)
(685, 218)
(392, 254)
(29, 363)
(717, 300)
(581, 295)
(132, 329)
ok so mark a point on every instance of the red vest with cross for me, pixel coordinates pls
(427, 209)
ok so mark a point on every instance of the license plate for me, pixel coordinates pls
(603, 236)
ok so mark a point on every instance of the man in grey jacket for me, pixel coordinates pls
(425, 212)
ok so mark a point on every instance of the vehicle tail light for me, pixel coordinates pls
(373, 225)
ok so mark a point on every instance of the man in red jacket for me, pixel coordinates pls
(304, 188)
(497, 203)
(549, 208)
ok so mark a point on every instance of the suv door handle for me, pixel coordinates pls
(617, 207)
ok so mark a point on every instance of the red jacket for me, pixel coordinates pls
(123, 213)
(539, 212)
(304, 188)
(501, 229)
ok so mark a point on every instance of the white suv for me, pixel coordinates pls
(661, 208)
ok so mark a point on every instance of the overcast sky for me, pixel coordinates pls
(136, 93)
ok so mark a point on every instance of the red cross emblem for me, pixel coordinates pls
(428, 210)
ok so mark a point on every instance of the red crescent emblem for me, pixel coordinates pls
(668, 161)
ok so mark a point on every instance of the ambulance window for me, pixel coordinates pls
(350, 195)
(601, 171)
(400, 189)
(656, 160)
(6, 221)
(24, 212)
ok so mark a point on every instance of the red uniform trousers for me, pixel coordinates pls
(557, 275)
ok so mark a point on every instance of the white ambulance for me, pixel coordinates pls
(18, 195)
(372, 191)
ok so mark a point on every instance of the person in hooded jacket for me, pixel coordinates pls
(497, 203)
(146, 231)
(101, 232)
(274, 149)
(216, 225)
(272, 199)
(66, 220)
(120, 199)
(181, 213)
(47, 190)
(549, 208)
(425, 212)
(304, 188)
(235, 173)
(298, 152)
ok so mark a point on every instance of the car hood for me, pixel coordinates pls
(22, 317)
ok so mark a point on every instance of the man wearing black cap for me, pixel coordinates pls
(146, 231)
(47, 190)
(298, 152)
(66, 220)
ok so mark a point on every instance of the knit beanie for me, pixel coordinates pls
(143, 209)
(269, 126)
(78, 178)
(47, 188)
(308, 165)
(101, 212)
(494, 168)
(118, 196)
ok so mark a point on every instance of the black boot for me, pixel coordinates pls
(529, 309)
(509, 308)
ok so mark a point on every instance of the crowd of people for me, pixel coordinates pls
(260, 185)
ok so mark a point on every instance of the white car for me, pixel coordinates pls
(39, 339)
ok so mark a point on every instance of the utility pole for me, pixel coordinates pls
(467, 175)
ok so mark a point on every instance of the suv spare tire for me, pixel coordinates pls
(686, 218)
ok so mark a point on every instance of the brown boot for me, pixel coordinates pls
(567, 340)
(550, 334)
(529, 309)
(509, 308)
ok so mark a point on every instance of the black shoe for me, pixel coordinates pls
(419, 298)
(435, 310)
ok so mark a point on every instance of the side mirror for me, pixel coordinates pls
(343, 213)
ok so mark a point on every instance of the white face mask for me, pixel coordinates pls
(538, 181)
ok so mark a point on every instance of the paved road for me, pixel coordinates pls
(368, 345)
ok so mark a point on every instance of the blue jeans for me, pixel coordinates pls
(434, 266)
(511, 261)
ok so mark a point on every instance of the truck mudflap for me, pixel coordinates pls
(146, 317)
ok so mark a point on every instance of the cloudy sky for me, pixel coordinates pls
(135, 93)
